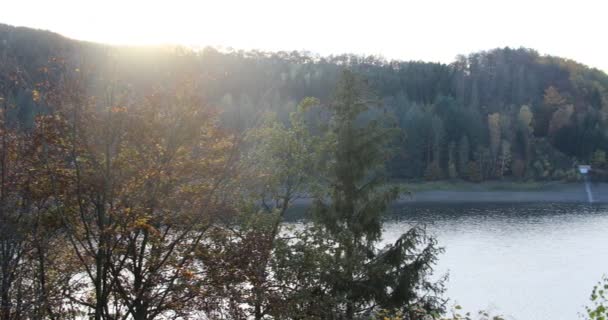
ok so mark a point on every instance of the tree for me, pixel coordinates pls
(416, 123)
(15, 200)
(522, 141)
(142, 188)
(484, 162)
(495, 131)
(561, 118)
(350, 210)
(504, 159)
(13, 213)
(464, 150)
(452, 173)
(84, 165)
(173, 169)
(525, 118)
(552, 100)
(280, 162)
(34, 266)
(599, 159)
(553, 97)
(434, 148)
(474, 173)
(433, 171)
(599, 300)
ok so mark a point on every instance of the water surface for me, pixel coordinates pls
(525, 261)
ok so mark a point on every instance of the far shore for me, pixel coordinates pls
(570, 194)
(574, 192)
(499, 192)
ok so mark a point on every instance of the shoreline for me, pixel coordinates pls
(494, 192)
(554, 192)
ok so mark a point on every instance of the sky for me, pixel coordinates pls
(428, 30)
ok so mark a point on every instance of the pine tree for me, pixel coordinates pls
(350, 210)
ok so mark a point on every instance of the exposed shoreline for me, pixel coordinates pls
(499, 193)
(562, 193)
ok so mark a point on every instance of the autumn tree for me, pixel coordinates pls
(175, 165)
(143, 185)
(17, 294)
(277, 169)
(552, 100)
(13, 213)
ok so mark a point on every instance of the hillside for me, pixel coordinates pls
(500, 113)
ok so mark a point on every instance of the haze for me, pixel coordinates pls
(409, 30)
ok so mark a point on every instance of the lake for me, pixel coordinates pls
(524, 261)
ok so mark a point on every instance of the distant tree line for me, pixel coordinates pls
(504, 113)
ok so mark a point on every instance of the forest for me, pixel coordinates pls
(154, 183)
(499, 114)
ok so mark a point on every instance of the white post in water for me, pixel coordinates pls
(584, 170)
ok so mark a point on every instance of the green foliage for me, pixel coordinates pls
(280, 159)
(331, 267)
(599, 159)
(599, 301)
(350, 210)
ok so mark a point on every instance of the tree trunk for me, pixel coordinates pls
(5, 303)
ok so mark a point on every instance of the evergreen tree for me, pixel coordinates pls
(350, 210)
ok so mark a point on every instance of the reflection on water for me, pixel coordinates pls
(526, 261)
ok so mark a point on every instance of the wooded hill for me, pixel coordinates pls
(493, 114)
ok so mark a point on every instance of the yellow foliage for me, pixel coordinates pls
(36, 95)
